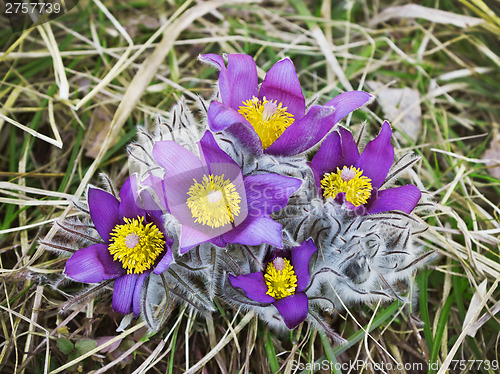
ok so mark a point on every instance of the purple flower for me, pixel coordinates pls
(345, 175)
(272, 119)
(214, 202)
(282, 283)
(135, 244)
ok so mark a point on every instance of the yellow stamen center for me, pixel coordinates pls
(136, 245)
(268, 118)
(351, 181)
(214, 202)
(280, 278)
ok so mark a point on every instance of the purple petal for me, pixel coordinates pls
(136, 299)
(129, 200)
(347, 102)
(220, 117)
(104, 211)
(211, 152)
(165, 262)
(317, 178)
(305, 133)
(174, 158)
(247, 136)
(224, 82)
(337, 150)
(293, 309)
(377, 157)
(219, 241)
(239, 81)
(255, 231)
(267, 193)
(350, 153)
(243, 80)
(123, 292)
(301, 256)
(253, 285)
(212, 59)
(153, 197)
(191, 238)
(329, 155)
(403, 198)
(93, 264)
(282, 84)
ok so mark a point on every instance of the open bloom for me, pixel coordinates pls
(135, 244)
(343, 174)
(272, 119)
(282, 283)
(214, 202)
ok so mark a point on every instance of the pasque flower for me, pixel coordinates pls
(214, 202)
(272, 118)
(282, 283)
(135, 244)
(345, 175)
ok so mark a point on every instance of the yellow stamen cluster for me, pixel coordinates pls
(280, 278)
(136, 245)
(351, 181)
(214, 202)
(268, 118)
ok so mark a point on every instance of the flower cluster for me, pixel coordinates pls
(268, 205)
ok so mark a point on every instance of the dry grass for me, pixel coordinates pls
(73, 91)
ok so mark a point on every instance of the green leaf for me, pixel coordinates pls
(65, 346)
(84, 346)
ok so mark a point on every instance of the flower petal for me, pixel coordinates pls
(243, 80)
(403, 198)
(93, 264)
(350, 153)
(174, 158)
(219, 241)
(282, 84)
(377, 157)
(165, 262)
(301, 256)
(239, 81)
(293, 309)
(347, 102)
(104, 211)
(304, 133)
(123, 292)
(191, 238)
(255, 231)
(253, 285)
(224, 82)
(329, 155)
(267, 193)
(211, 152)
(317, 178)
(153, 194)
(337, 150)
(220, 117)
(129, 200)
(136, 299)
